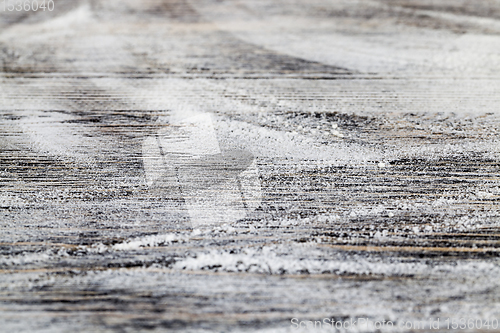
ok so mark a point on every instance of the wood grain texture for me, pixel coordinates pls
(340, 159)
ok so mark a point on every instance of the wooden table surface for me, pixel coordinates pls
(227, 166)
